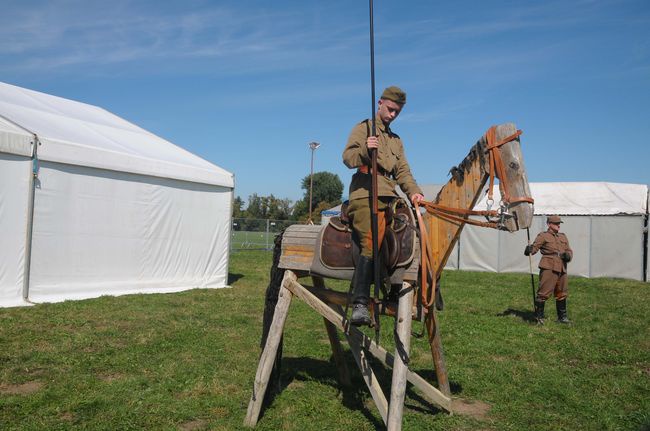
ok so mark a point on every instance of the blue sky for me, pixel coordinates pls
(248, 84)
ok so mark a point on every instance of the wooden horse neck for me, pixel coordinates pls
(462, 191)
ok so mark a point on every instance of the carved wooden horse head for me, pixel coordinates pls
(496, 155)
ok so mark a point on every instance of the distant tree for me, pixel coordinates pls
(279, 209)
(257, 206)
(300, 210)
(327, 189)
(238, 208)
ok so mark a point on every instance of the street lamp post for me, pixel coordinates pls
(313, 146)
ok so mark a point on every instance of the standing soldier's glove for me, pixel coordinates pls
(528, 250)
(566, 256)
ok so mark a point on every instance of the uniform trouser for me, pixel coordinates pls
(359, 212)
(552, 282)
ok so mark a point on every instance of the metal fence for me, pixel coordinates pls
(256, 234)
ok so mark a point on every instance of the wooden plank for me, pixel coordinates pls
(437, 353)
(430, 392)
(303, 228)
(270, 350)
(359, 354)
(336, 318)
(294, 264)
(402, 352)
(369, 377)
(339, 298)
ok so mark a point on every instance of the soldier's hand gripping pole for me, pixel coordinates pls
(374, 192)
(530, 263)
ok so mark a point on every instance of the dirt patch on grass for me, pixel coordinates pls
(22, 389)
(108, 378)
(67, 416)
(475, 409)
(197, 424)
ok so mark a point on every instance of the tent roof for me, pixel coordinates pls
(80, 134)
(585, 198)
(14, 139)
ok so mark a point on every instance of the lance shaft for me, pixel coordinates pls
(374, 224)
(530, 263)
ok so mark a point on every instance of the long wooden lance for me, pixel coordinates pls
(530, 263)
(374, 225)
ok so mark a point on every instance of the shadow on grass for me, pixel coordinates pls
(234, 277)
(354, 397)
(526, 316)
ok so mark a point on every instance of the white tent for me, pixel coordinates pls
(91, 204)
(605, 223)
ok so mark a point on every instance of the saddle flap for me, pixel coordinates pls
(336, 245)
(338, 224)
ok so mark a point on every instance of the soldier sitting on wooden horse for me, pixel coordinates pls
(393, 169)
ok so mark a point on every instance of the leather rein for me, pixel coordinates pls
(461, 215)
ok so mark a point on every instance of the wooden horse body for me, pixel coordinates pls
(495, 155)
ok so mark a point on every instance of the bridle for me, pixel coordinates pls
(495, 218)
(497, 169)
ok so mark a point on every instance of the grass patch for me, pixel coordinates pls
(186, 361)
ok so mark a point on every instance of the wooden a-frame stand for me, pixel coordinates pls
(390, 410)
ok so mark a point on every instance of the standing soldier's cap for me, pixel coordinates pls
(395, 94)
(554, 219)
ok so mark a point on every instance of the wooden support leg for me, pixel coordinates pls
(337, 349)
(437, 352)
(402, 349)
(431, 393)
(369, 377)
(359, 354)
(268, 355)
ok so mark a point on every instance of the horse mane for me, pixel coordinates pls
(476, 152)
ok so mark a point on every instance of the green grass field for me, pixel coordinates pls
(187, 361)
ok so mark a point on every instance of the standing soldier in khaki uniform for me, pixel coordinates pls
(393, 169)
(556, 253)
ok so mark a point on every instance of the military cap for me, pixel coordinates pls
(395, 94)
(554, 219)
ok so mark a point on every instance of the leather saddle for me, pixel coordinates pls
(339, 249)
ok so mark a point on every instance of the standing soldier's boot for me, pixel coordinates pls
(539, 312)
(562, 317)
(361, 291)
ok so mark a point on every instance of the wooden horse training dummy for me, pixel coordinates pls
(413, 263)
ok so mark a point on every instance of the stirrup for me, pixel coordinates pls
(360, 315)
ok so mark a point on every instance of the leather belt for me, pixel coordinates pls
(367, 170)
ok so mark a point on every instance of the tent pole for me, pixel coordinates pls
(30, 219)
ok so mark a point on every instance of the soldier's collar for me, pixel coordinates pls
(379, 124)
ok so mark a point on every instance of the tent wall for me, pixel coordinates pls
(102, 232)
(15, 173)
(452, 262)
(617, 249)
(603, 246)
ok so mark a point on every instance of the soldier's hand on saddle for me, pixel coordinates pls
(528, 250)
(417, 198)
(372, 142)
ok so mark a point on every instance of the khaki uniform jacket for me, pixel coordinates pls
(393, 167)
(552, 246)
